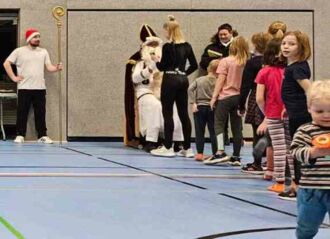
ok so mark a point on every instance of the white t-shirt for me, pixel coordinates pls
(30, 64)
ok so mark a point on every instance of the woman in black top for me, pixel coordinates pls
(219, 48)
(174, 87)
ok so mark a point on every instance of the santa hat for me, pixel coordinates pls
(147, 35)
(30, 33)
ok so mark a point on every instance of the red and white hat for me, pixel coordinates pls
(30, 33)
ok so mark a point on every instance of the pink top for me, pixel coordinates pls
(272, 77)
(233, 72)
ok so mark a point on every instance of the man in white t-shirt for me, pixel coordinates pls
(30, 61)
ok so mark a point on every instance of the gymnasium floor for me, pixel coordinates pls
(104, 190)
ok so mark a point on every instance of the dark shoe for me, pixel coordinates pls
(290, 195)
(217, 158)
(235, 161)
(260, 147)
(149, 146)
(252, 169)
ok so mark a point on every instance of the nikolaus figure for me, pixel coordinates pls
(146, 82)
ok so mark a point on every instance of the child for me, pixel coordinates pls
(227, 93)
(200, 92)
(269, 80)
(314, 188)
(248, 90)
(296, 48)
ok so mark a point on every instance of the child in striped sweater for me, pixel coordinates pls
(314, 187)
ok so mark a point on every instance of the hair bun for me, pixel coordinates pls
(171, 17)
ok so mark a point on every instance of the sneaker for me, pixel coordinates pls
(234, 161)
(290, 195)
(217, 158)
(252, 169)
(199, 157)
(277, 187)
(163, 152)
(19, 139)
(188, 153)
(149, 146)
(45, 140)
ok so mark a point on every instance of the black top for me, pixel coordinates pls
(293, 95)
(176, 56)
(250, 73)
(207, 57)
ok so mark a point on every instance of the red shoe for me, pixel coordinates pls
(199, 157)
(277, 187)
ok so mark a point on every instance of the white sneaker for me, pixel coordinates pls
(188, 153)
(45, 140)
(163, 152)
(19, 139)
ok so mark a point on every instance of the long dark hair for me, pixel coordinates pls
(272, 53)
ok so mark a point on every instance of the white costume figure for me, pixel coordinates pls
(147, 80)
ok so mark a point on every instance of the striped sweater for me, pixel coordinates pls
(315, 172)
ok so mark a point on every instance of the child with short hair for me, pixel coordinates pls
(314, 187)
(200, 92)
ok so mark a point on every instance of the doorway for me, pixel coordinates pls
(8, 42)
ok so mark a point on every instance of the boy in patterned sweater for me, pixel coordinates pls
(314, 188)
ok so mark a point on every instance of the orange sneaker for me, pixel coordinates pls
(199, 157)
(277, 187)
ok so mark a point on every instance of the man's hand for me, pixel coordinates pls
(59, 66)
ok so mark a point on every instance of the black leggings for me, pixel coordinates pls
(174, 89)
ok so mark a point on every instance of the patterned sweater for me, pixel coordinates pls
(315, 171)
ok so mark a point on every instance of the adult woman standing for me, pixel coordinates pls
(175, 55)
(219, 47)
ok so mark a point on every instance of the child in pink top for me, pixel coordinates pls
(227, 94)
(269, 80)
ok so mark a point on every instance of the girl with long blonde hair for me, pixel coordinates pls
(227, 95)
(175, 54)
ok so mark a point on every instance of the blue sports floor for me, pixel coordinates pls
(104, 190)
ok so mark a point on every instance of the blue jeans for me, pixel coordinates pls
(313, 204)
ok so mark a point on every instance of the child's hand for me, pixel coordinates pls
(18, 78)
(319, 152)
(194, 108)
(262, 128)
(212, 103)
(241, 113)
(284, 114)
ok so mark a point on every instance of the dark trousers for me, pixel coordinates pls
(225, 107)
(294, 124)
(174, 89)
(38, 99)
(256, 138)
(204, 116)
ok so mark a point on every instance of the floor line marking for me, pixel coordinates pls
(196, 186)
(13, 230)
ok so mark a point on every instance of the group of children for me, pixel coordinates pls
(284, 104)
